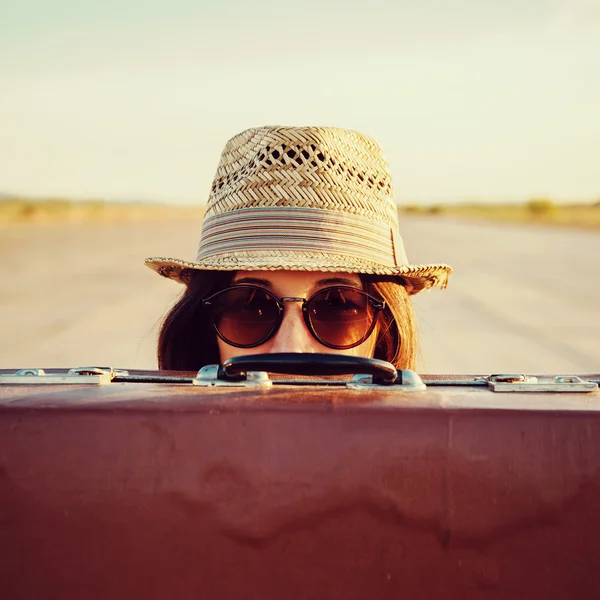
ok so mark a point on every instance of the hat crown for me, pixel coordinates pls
(303, 199)
(304, 167)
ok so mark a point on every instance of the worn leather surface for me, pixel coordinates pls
(168, 491)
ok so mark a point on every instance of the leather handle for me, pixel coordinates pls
(298, 363)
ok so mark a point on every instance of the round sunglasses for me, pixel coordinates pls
(339, 317)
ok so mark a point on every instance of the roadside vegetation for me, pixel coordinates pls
(537, 211)
(25, 210)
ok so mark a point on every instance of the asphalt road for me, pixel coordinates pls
(522, 299)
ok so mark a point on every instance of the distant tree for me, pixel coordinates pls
(541, 206)
(436, 209)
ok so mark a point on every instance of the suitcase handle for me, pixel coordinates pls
(298, 363)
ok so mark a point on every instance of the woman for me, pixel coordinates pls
(300, 252)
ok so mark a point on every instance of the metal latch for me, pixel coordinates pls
(407, 381)
(212, 376)
(527, 383)
(78, 375)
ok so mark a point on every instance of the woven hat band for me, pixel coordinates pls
(300, 230)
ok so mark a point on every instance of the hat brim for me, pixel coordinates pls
(415, 278)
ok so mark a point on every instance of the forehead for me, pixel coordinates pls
(303, 280)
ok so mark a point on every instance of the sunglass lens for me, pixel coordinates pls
(341, 317)
(245, 316)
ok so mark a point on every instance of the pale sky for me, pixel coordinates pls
(131, 99)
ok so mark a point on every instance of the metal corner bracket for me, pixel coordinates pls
(528, 383)
(77, 376)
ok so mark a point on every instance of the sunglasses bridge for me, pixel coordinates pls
(293, 299)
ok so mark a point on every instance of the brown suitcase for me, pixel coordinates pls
(140, 489)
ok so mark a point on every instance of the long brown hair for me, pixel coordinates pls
(187, 340)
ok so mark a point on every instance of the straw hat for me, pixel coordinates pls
(303, 199)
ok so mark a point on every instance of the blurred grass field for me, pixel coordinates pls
(14, 211)
(537, 211)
